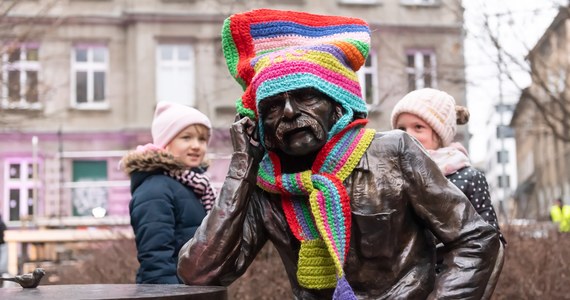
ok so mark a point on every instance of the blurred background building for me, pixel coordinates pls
(542, 121)
(80, 80)
(500, 163)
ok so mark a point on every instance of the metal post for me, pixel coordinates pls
(502, 200)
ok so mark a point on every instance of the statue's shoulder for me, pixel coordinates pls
(389, 136)
(390, 140)
(396, 134)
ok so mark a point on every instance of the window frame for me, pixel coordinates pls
(500, 181)
(505, 131)
(503, 156)
(178, 65)
(90, 67)
(84, 185)
(373, 71)
(419, 71)
(24, 184)
(23, 65)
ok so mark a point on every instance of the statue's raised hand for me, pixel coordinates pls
(245, 138)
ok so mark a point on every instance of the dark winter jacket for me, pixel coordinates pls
(474, 185)
(164, 215)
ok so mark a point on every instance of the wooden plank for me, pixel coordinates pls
(66, 235)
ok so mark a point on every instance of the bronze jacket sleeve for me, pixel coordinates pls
(472, 244)
(231, 235)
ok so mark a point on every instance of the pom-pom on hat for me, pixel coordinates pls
(435, 107)
(171, 118)
(270, 52)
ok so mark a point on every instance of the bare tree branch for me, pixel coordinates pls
(549, 79)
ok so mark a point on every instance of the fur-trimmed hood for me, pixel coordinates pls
(150, 161)
(140, 165)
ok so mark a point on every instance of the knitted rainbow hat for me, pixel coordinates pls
(269, 52)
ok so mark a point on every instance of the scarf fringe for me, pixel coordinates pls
(343, 291)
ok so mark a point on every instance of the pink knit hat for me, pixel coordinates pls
(435, 107)
(171, 118)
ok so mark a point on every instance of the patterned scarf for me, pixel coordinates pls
(322, 224)
(450, 159)
(199, 183)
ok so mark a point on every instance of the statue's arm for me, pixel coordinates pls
(472, 245)
(232, 233)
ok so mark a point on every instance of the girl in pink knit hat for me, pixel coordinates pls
(170, 192)
(431, 116)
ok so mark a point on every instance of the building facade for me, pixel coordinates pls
(81, 78)
(500, 160)
(541, 121)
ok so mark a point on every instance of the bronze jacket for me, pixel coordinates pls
(398, 196)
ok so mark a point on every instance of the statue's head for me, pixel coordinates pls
(298, 122)
(298, 72)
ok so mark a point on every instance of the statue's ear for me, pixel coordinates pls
(338, 112)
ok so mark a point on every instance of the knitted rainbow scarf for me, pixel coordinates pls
(322, 224)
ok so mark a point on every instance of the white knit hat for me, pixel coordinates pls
(435, 107)
(171, 118)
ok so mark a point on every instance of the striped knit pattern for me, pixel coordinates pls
(199, 183)
(323, 223)
(269, 52)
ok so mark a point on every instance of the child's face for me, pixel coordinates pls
(419, 129)
(190, 145)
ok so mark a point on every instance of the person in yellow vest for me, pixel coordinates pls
(560, 214)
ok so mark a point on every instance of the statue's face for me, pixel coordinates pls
(297, 122)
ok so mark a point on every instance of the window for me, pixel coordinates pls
(367, 76)
(19, 188)
(502, 156)
(504, 181)
(506, 108)
(421, 69)
(175, 73)
(19, 76)
(504, 131)
(556, 81)
(89, 76)
(89, 187)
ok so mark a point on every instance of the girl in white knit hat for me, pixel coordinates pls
(170, 192)
(431, 116)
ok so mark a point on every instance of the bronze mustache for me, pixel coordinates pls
(301, 122)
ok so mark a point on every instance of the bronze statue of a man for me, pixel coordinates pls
(351, 212)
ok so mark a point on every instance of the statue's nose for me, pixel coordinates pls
(290, 109)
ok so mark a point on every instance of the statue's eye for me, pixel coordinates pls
(270, 105)
(308, 96)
